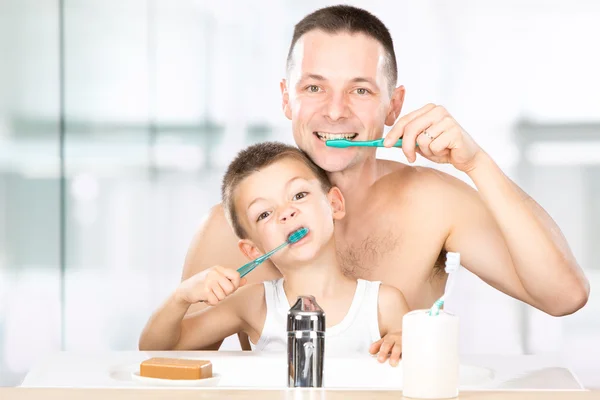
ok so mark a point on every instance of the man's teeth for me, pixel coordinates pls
(336, 136)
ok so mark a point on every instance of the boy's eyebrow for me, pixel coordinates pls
(286, 186)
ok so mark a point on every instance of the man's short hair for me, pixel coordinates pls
(253, 159)
(342, 18)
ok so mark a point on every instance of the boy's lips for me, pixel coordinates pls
(296, 229)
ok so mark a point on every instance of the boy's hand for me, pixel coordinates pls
(211, 286)
(388, 346)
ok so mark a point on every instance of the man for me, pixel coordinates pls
(341, 82)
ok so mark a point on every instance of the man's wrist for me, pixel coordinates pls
(481, 165)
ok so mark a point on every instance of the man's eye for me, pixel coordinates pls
(263, 216)
(362, 91)
(300, 195)
(313, 88)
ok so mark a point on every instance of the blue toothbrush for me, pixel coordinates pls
(343, 143)
(292, 238)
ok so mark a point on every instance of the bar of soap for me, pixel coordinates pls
(176, 368)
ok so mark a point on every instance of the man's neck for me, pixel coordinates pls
(355, 181)
(322, 277)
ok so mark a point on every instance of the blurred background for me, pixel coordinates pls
(117, 119)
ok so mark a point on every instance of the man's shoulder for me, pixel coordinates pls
(400, 179)
(215, 217)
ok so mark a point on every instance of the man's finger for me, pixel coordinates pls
(416, 127)
(397, 130)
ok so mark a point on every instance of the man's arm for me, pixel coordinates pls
(540, 253)
(510, 242)
(216, 244)
(503, 235)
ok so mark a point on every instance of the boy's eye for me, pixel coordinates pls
(263, 216)
(300, 195)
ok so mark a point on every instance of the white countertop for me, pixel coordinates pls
(244, 370)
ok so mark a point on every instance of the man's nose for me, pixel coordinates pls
(288, 214)
(337, 107)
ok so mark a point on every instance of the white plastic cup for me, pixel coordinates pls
(430, 355)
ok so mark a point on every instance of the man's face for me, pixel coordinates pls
(337, 87)
(278, 200)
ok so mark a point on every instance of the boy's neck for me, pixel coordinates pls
(322, 277)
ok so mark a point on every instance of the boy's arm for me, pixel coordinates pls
(392, 307)
(215, 244)
(214, 324)
(168, 328)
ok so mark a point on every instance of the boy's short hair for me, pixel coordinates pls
(253, 159)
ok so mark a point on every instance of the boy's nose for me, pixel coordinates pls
(288, 214)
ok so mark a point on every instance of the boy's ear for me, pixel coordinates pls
(337, 203)
(249, 249)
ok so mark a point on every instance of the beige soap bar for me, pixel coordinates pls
(176, 368)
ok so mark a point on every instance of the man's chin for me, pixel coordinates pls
(333, 160)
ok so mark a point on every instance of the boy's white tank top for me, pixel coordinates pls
(355, 333)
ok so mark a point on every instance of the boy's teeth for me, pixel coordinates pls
(335, 136)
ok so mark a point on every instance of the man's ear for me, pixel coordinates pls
(337, 203)
(285, 99)
(249, 249)
(395, 106)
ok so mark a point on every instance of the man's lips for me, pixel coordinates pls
(324, 136)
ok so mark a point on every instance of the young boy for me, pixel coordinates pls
(269, 191)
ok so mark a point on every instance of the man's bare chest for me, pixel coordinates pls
(390, 255)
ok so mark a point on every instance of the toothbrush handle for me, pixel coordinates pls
(249, 267)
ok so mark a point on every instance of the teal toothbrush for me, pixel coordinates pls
(343, 143)
(452, 265)
(292, 238)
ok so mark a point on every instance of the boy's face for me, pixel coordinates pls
(278, 200)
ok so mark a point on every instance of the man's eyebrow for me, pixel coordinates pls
(361, 79)
(313, 76)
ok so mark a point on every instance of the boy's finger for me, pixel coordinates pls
(396, 353)
(375, 346)
(384, 352)
(226, 285)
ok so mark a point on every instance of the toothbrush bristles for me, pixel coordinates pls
(297, 235)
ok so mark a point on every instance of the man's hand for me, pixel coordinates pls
(388, 346)
(440, 138)
(211, 286)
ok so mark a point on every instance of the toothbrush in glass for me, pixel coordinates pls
(452, 265)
